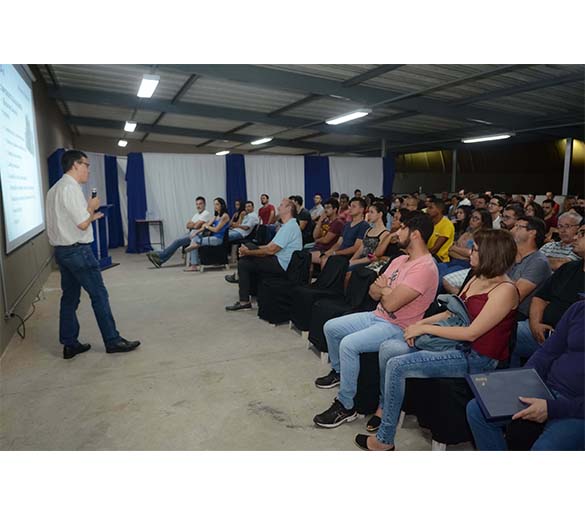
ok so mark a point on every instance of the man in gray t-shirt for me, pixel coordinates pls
(531, 268)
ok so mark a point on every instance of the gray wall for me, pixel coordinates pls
(25, 263)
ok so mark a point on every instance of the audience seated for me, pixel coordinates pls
(461, 222)
(550, 217)
(343, 212)
(267, 213)
(443, 233)
(411, 203)
(459, 252)
(403, 292)
(328, 229)
(353, 233)
(533, 209)
(531, 267)
(317, 208)
(550, 196)
(271, 259)
(559, 362)
(245, 224)
(495, 207)
(239, 210)
(202, 216)
(376, 238)
(491, 300)
(209, 234)
(561, 252)
(550, 301)
(304, 219)
(512, 212)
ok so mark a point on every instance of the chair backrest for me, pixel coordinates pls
(333, 274)
(298, 268)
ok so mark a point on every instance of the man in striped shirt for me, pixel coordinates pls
(559, 253)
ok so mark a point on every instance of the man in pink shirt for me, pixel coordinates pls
(404, 292)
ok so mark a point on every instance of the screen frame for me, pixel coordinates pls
(10, 247)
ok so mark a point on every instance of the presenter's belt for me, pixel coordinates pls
(76, 244)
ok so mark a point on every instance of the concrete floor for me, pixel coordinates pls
(202, 379)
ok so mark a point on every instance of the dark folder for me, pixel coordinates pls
(497, 392)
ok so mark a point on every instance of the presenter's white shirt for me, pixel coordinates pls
(66, 207)
(205, 216)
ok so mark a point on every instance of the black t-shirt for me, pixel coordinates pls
(561, 290)
(305, 214)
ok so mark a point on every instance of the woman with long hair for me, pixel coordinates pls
(210, 234)
(533, 209)
(462, 216)
(491, 299)
(375, 240)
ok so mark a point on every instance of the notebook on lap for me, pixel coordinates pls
(497, 392)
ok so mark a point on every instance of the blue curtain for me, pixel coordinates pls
(389, 173)
(55, 168)
(138, 234)
(317, 179)
(115, 231)
(235, 180)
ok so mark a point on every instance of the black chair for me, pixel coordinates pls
(275, 293)
(215, 256)
(329, 284)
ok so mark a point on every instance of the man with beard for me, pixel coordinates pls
(404, 292)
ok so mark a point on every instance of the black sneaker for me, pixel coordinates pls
(231, 278)
(333, 379)
(239, 306)
(71, 351)
(154, 259)
(335, 415)
(123, 346)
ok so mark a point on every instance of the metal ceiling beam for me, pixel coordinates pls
(450, 84)
(180, 94)
(370, 74)
(298, 103)
(57, 86)
(366, 95)
(514, 90)
(197, 133)
(188, 108)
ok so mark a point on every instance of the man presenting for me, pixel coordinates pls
(69, 218)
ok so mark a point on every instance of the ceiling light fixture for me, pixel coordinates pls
(122, 143)
(490, 138)
(262, 140)
(348, 117)
(129, 127)
(222, 152)
(148, 85)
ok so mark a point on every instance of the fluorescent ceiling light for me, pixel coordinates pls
(262, 140)
(478, 121)
(487, 138)
(129, 127)
(222, 152)
(122, 143)
(148, 85)
(346, 118)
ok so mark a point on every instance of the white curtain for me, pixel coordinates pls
(349, 174)
(277, 176)
(122, 162)
(172, 183)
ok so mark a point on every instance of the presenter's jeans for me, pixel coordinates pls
(557, 435)
(423, 364)
(79, 268)
(349, 336)
(168, 252)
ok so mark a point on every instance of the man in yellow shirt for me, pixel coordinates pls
(444, 231)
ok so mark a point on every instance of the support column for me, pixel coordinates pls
(567, 167)
(454, 172)
(383, 150)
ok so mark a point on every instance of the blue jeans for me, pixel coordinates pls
(168, 252)
(526, 344)
(423, 364)
(347, 337)
(234, 236)
(202, 241)
(558, 434)
(79, 268)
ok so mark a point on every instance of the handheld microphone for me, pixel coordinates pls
(93, 193)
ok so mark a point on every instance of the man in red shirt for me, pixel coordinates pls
(267, 213)
(550, 217)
